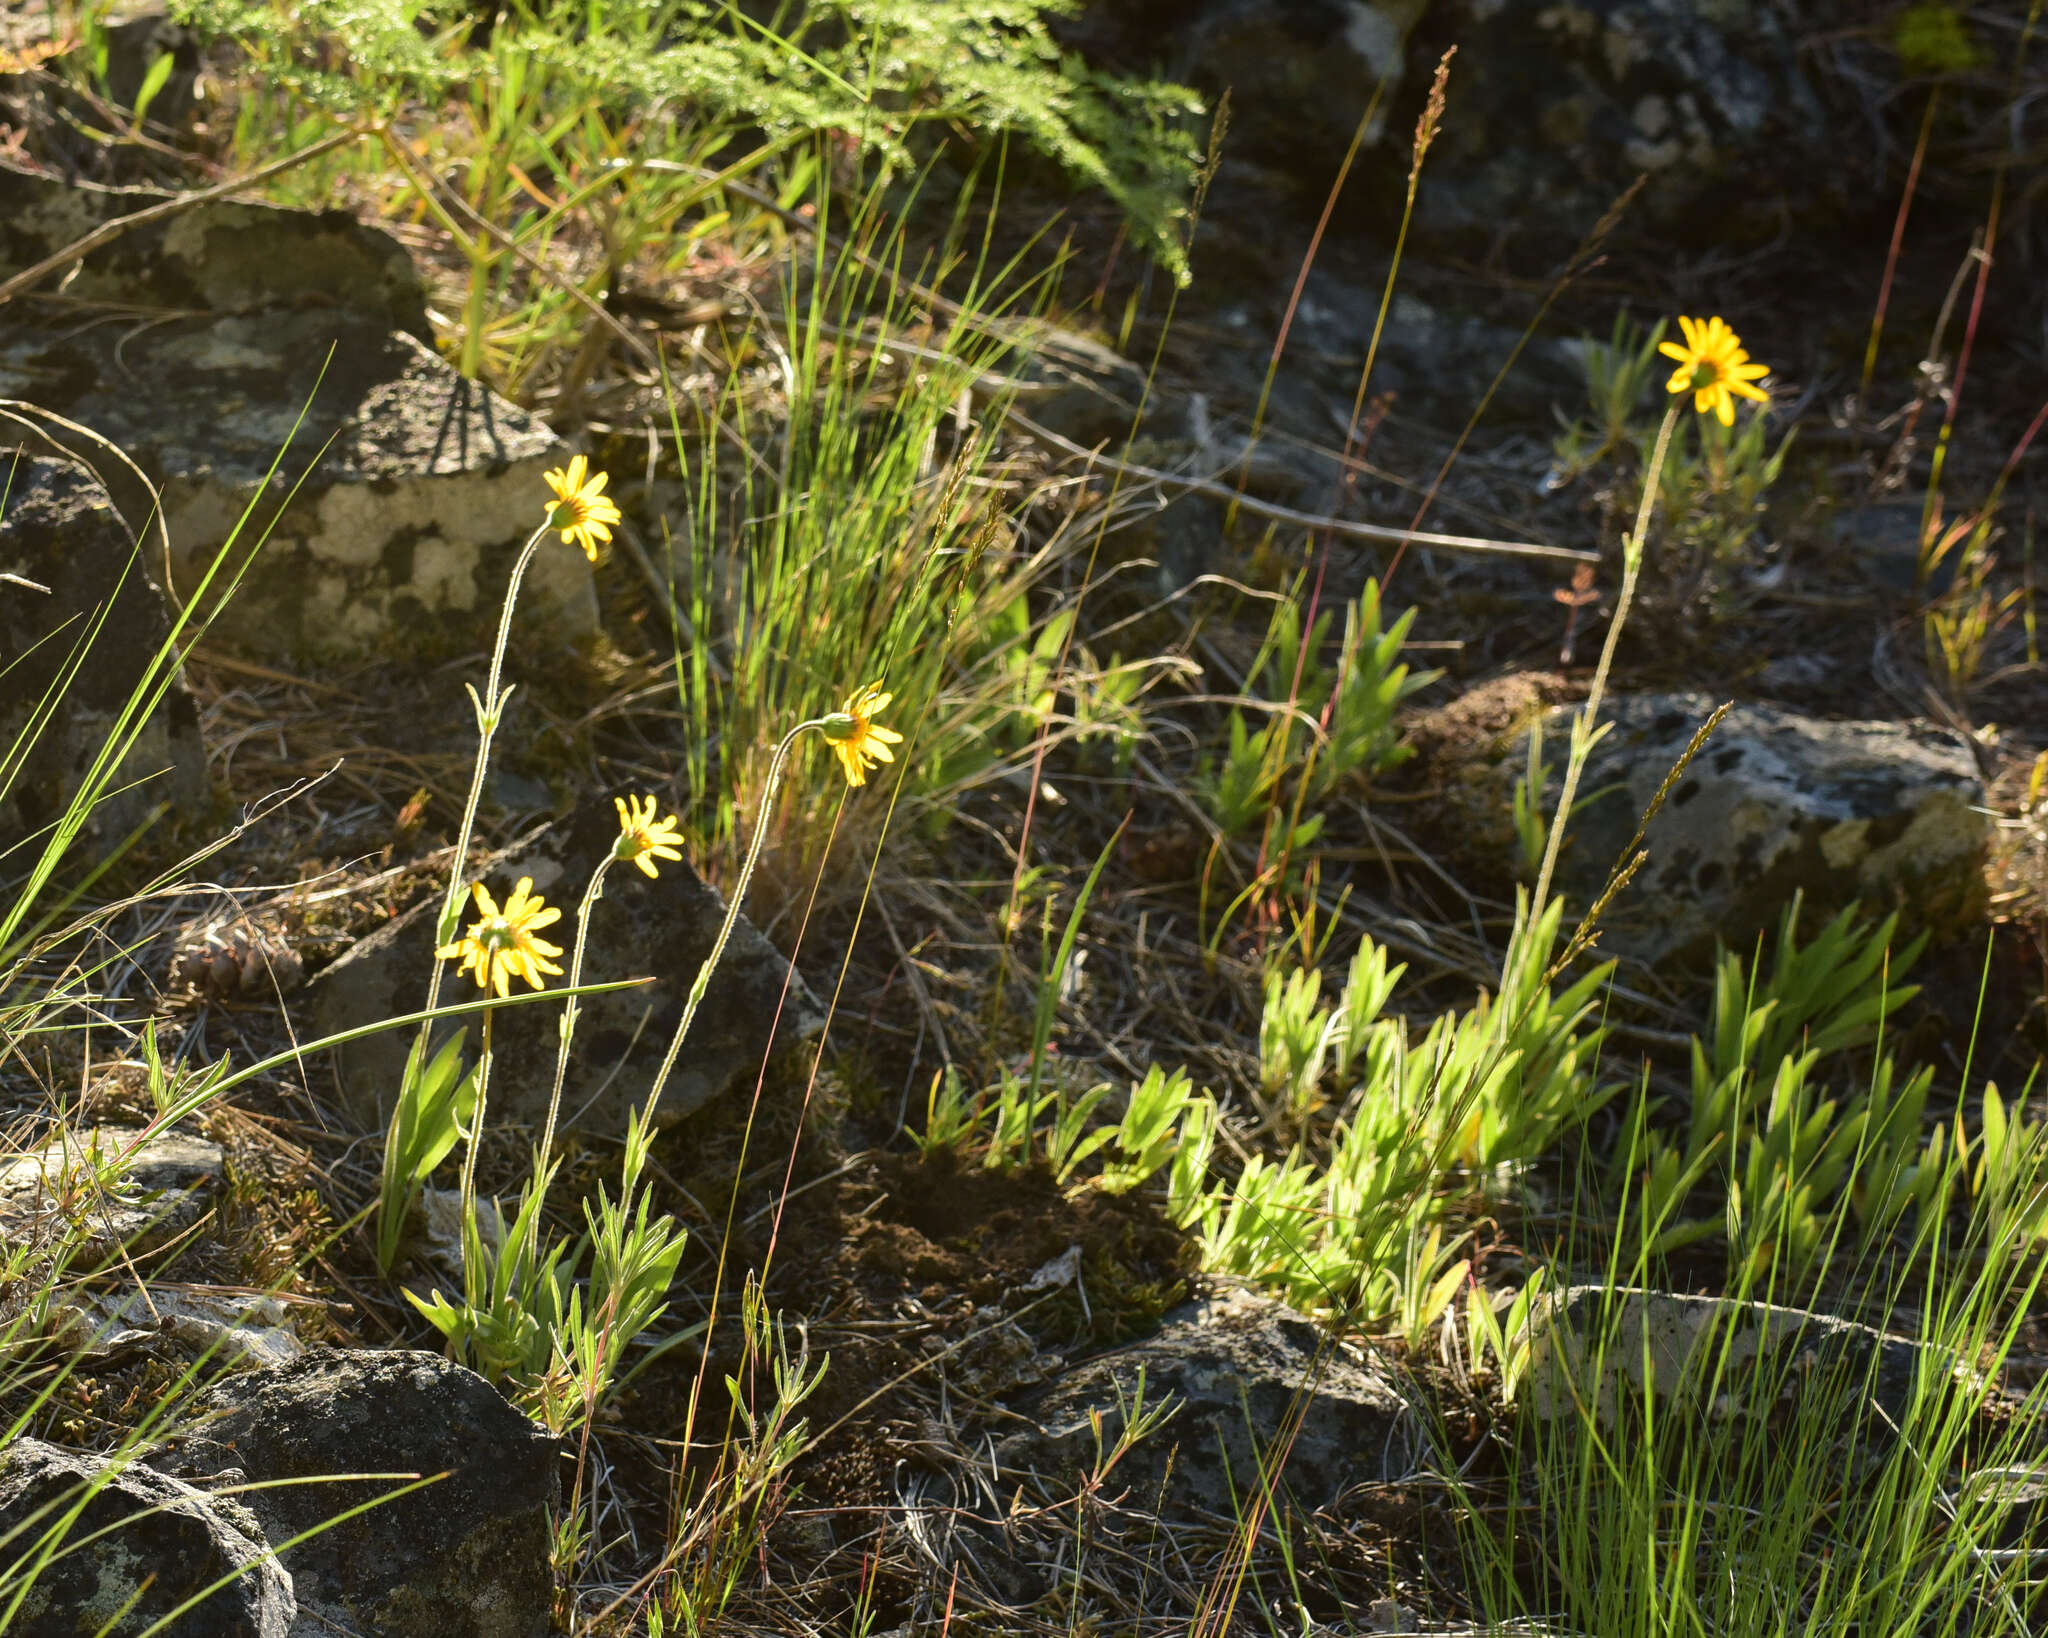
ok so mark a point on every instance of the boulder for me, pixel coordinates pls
(1240, 1368)
(278, 364)
(1776, 803)
(465, 1556)
(1552, 110)
(1300, 73)
(661, 929)
(163, 1543)
(1591, 1343)
(223, 256)
(1555, 108)
(79, 639)
(109, 1191)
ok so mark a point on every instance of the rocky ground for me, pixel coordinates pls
(986, 1331)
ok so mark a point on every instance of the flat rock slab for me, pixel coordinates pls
(224, 256)
(1883, 813)
(661, 929)
(109, 1190)
(1242, 1368)
(463, 1557)
(78, 650)
(1724, 1356)
(221, 1326)
(277, 364)
(163, 1543)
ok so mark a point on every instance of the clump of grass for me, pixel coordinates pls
(1774, 1490)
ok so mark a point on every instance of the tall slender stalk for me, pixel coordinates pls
(472, 1236)
(591, 895)
(1583, 725)
(487, 718)
(776, 766)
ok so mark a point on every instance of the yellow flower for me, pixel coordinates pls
(643, 838)
(1713, 367)
(500, 944)
(857, 739)
(582, 510)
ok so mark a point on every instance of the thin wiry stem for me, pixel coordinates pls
(488, 710)
(591, 895)
(1582, 727)
(732, 912)
(472, 1236)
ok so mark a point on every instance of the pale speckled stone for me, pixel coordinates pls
(158, 1188)
(253, 341)
(1589, 1343)
(1882, 813)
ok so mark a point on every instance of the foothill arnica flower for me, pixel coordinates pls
(1713, 367)
(642, 837)
(856, 738)
(502, 945)
(582, 510)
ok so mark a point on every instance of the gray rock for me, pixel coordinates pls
(1554, 109)
(640, 928)
(463, 1557)
(1590, 1343)
(1300, 73)
(59, 530)
(109, 1190)
(1883, 538)
(1240, 1365)
(394, 515)
(164, 1543)
(1777, 803)
(225, 256)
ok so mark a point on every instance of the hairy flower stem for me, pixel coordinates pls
(591, 895)
(488, 710)
(732, 912)
(472, 1236)
(1583, 724)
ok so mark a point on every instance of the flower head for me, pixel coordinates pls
(856, 738)
(582, 510)
(500, 944)
(1713, 367)
(643, 838)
